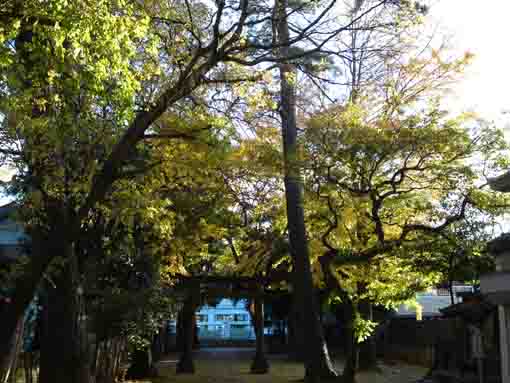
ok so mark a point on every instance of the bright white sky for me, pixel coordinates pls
(483, 28)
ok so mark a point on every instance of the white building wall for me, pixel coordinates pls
(433, 300)
(226, 320)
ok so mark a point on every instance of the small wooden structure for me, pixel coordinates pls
(496, 286)
(472, 355)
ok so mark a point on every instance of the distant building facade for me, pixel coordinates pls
(227, 320)
(12, 236)
(433, 300)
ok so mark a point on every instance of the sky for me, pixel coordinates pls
(481, 27)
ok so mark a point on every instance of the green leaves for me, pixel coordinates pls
(363, 328)
(385, 191)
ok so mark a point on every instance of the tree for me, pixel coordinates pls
(317, 363)
(459, 255)
(388, 189)
(84, 86)
(91, 65)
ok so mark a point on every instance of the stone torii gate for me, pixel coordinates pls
(194, 287)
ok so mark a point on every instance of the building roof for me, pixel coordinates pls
(501, 183)
(499, 245)
(7, 210)
(473, 310)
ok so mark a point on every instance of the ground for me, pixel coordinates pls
(227, 365)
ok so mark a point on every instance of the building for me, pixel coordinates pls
(433, 301)
(496, 286)
(227, 320)
(12, 237)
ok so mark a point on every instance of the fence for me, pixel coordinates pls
(417, 342)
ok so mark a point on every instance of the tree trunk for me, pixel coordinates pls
(108, 360)
(41, 250)
(259, 364)
(157, 345)
(8, 370)
(24, 291)
(296, 339)
(179, 331)
(141, 366)
(450, 289)
(185, 364)
(367, 349)
(196, 341)
(283, 334)
(318, 365)
(64, 352)
(351, 349)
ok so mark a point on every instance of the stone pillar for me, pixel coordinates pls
(259, 365)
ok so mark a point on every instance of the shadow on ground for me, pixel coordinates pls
(228, 365)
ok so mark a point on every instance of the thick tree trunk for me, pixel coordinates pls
(141, 365)
(259, 364)
(351, 349)
(64, 351)
(179, 331)
(196, 341)
(296, 338)
(318, 365)
(159, 344)
(109, 356)
(352, 346)
(185, 364)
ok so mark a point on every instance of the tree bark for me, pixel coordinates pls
(8, 370)
(318, 366)
(64, 351)
(259, 364)
(141, 365)
(185, 364)
(296, 341)
(196, 341)
(179, 331)
(110, 354)
(351, 349)
(450, 290)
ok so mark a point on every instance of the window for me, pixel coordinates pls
(224, 317)
(443, 292)
(201, 318)
(241, 317)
